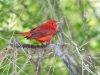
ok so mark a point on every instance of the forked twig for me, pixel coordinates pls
(56, 47)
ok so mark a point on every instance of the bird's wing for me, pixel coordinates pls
(41, 32)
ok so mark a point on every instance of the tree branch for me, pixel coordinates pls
(56, 47)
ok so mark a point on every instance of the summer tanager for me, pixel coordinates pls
(43, 33)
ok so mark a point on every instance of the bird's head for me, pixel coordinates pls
(53, 23)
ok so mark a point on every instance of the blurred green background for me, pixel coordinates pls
(80, 21)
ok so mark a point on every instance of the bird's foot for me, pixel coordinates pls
(45, 44)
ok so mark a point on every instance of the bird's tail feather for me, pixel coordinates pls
(27, 34)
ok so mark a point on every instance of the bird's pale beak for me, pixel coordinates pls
(58, 23)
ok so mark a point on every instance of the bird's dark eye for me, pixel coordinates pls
(52, 23)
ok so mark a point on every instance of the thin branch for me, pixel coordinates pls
(56, 47)
(23, 66)
(94, 11)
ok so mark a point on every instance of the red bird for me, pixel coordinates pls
(43, 33)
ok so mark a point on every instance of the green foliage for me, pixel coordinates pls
(80, 21)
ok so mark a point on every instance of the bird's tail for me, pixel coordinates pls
(27, 34)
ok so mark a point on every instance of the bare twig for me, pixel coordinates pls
(56, 47)
(94, 11)
(23, 66)
(84, 66)
(2, 54)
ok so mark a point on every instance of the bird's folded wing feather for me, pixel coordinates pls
(41, 32)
